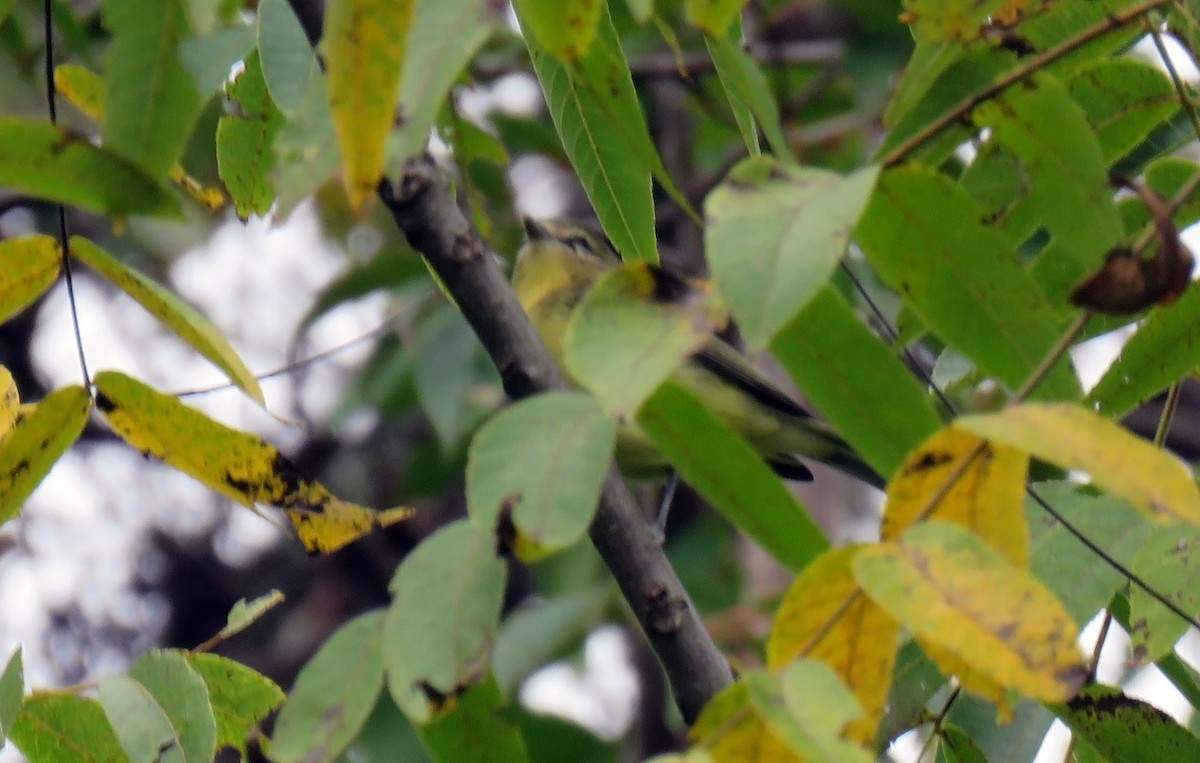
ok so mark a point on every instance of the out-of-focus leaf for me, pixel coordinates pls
(473, 725)
(1151, 480)
(855, 381)
(183, 696)
(1127, 730)
(636, 325)
(807, 707)
(947, 586)
(713, 17)
(152, 101)
(31, 265)
(533, 635)
(730, 475)
(333, 695)
(363, 44)
(36, 442)
(54, 164)
(289, 66)
(824, 616)
(235, 464)
(730, 730)
(306, 149)
(564, 30)
(12, 686)
(775, 234)
(442, 623)
(978, 298)
(1168, 562)
(210, 57)
(139, 722)
(539, 465)
(740, 75)
(187, 323)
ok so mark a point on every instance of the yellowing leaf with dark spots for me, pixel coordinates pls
(10, 403)
(36, 442)
(30, 265)
(987, 498)
(364, 43)
(825, 616)
(235, 464)
(1149, 479)
(85, 90)
(949, 587)
(732, 732)
(177, 315)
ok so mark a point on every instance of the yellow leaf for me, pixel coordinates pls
(236, 464)
(180, 317)
(10, 403)
(951, 588)
(1150, 479)
(31, 264)
(85, 90)
(37, 441)
(860, 645)
(733, 733)
(987, 498)
(364, 43)
(969, 678)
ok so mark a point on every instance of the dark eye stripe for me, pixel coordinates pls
(579, 243)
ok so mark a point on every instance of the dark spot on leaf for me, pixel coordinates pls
(104, 403)
(506, 529)
(927, 461)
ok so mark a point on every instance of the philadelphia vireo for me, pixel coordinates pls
(555, 268)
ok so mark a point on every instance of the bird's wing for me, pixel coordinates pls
(719, 358)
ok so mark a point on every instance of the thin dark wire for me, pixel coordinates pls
(1070, 528)
(64, 235)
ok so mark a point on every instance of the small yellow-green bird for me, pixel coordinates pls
(555, 268)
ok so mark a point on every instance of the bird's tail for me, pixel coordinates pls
(847, 461)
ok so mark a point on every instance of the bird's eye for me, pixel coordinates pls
(580, 244)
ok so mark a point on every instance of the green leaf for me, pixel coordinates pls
(540, 464)
(363, 44)
(306, 149)
(855, 380)
(333, 695)
(55, 164)
(447, 353)
(210, 57)
(807, 706)
(474, 726)
(730, 77)
(1063, 563)
(774, 236)
(187, 323)
(388, 270)
(957, 746)
(244, 613)
(61, 727)
(1169, 562)
(977, 296)
(740, 74)
(245, 154)
(31, 265)
(139, 722)
(730, 475)
(289, 65)
(444, 38)
(713, 17)
(1124, 99)
(541, 630)
(636, 325)
(1165, 349)
(240, 697)
(37, 442)
(12, 687)
(950, 588)
(1154, 482)
(616, 179)
(1068, 174)
(183, 696)
(442, 623)
(152, 101)
(1127, 730)
(564, 30)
